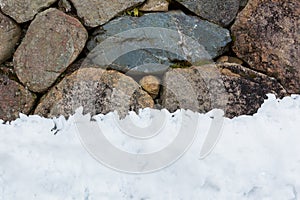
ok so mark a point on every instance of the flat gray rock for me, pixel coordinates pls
(10, 34)
(14, 98)
(97, 91)
(24, 10)
(153, 42)
(218, 11)
(53, 41)
(95, 13)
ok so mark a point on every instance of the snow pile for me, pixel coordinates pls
(257, 157)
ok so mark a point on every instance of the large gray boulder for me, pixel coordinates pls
(153, 42)
(53, 41)
(267, 37)
(10, 34)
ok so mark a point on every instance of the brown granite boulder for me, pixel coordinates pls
(267, 37)
(97, 90)
(231, 87)
(14, 98)
(23, 11)
(53, 41)
(10, 34)
(95, 13)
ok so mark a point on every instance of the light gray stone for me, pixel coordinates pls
(97, 90)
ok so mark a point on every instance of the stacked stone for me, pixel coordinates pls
(123, 55)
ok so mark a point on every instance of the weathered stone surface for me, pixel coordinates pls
(95, 13)
(185, 88)
(10, 34)
(234, 88)
(14, 98)
(151, 84)
(218, 11)
(24, 10)
(247, 89)
(97, 90)
(267, 37)
(51, 44)
(151, 43)
(155, 5)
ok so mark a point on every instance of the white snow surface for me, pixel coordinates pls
(257, 157)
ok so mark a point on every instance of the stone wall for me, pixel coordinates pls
(57, 55)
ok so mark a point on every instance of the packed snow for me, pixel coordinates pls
(257, 157)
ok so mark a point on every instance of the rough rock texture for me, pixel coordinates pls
(247, 89)
(243, 3)
(53, 41)
(97, 90)
(151, 43)
(95, 13)
(150, 84)
(219, 11)
(192, 88)
(14, 98)
(10, 34)
(232, 87)
(24, 10)
(267, 37)
(155, 5)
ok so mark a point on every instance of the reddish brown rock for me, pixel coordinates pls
(53, 41)
(14, 98)
(24, 10)
(10, 34)
(97, 90)
(267, 37)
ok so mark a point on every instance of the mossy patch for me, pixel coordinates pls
(134, 12)
(180, 64)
